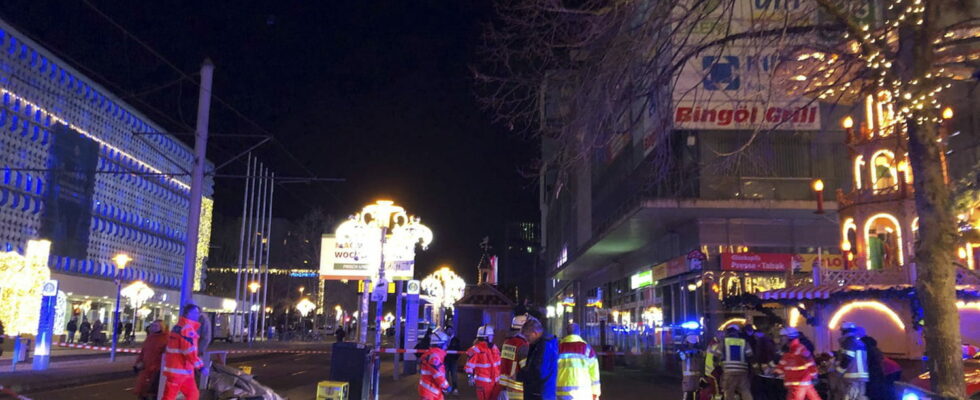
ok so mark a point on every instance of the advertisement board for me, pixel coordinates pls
(756, 262)
(359, 259)
(641, 279)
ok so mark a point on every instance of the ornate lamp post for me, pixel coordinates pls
(443, 288)
(252, 323)
(137, 293)
(121, 260)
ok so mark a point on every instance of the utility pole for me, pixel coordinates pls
(197, 183)
(268, 250)
(236, 324)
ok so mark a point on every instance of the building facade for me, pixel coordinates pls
(93, 176)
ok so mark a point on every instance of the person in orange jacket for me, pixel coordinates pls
(797, 367)
(513, 357)
(483, 363)
(149, 359)
(432, 375)
(181, 358)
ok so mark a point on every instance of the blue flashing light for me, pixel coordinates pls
(692, 325)
(910, 395)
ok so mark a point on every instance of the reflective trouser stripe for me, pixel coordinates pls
(429, 387)
(178, 371)
(482, 379)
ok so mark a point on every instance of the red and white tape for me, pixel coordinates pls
(97, 348)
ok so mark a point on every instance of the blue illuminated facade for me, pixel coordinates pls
(85, 170)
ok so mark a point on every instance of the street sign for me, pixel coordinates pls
(380, 292)
(414, 287)
(45, 326)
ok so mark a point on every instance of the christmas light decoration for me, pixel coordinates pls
(203, 240)
(836, 319)
(733, 321)
(137, 293)
(305, 306)
(21, 278)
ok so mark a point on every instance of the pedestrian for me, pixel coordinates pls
(128, 332)
(84, 330)
(691, 366)
(796, 366)
(483, 363)
(423, 343)
(734, 355)
(148, 361)
(852, 363)
(541, 373)
(97, 334)
(893, 373)
(764, 357)
(578, 367)
(712, 370)
(181, 359)
(452, 359)
(72, 328)
(340, 334)
(513, 358)
(432, 375)
(877, 387)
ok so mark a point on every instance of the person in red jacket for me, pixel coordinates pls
(149, 359)
(432, 375)
(796, 367)
(483, 363)
(181, 359)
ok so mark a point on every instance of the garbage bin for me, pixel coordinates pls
(349, 363)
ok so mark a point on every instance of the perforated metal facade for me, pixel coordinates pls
(137, 195)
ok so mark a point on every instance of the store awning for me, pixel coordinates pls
(806, 292)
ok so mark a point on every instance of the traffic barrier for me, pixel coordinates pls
(389, 350)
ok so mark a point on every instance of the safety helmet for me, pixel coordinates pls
(518, 321)
(789, 332)
(484, 331)
(733, 328)
(692, 339)
(849, 329)
(438, 339)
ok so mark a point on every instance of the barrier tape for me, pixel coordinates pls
(137, 351)
(388, 350)
(97, 348)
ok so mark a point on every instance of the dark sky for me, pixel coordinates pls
(376, 92)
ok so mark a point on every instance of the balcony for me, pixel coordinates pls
(868, 195)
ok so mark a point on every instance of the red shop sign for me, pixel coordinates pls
(756, 262)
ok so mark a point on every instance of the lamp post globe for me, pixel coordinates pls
(121, 260)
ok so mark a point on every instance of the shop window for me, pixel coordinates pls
(883, 238)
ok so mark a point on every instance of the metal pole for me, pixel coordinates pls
(362, 316)
(250, 266)
(197, 184)
(248, 250)
(268, 249)
(257, 248)
(235, 324)
(399, 285)
(378, 316)
(115, 319)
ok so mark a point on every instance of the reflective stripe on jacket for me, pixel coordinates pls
(432, 374)
(853, 359)
(181, 357)
(735, 354)
(797, 366)
(513, 357)
(483, 362)
(578, 370)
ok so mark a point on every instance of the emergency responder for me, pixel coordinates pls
(181, 358)
(578, 367)
(852, 362)
(513, 357)
(483, 363)
(796, 366)
(432, 375)
(734, 355)
(692, 359)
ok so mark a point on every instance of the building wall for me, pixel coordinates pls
(135, 197)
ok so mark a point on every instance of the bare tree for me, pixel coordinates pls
(575, 71)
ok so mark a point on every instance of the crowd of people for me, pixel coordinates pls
(751, 365)
(531, 364)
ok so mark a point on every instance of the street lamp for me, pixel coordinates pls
(305, 306)
(818, 187)
(444, 288)
(137, 293)
(254, 288)
(121, 260)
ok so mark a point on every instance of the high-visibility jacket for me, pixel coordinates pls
(513, 357)
(735, 353)
(432, 375)
(578, 370)
(853, 359)
(181, 358)
(797, 366)
(483, 363)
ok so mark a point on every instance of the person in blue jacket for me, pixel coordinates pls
(541, 373)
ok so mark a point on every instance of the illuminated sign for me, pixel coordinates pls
(642, 279)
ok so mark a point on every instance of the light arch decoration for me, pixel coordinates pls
(858, 167)
(898, 238)
(879, 181)
(878, 306)
(733, 321)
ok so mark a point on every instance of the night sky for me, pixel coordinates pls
(375, 92)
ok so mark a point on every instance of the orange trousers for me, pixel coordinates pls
(182, 384)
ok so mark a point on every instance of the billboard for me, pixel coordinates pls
(358, 259)
(756, 262)
(67, 213)
(641, 279)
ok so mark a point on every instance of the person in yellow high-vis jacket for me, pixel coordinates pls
(578, 368)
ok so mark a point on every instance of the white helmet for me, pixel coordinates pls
(789, 332)
(518, 322)
(485, 331)
(691, 339)
(438, 339)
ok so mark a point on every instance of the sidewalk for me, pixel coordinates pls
(65, 371)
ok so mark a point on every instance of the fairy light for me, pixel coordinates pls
(865, 305)
(20, 294)
(733, 321)
(89, 135)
